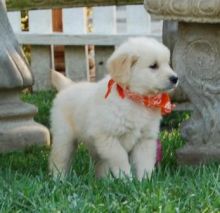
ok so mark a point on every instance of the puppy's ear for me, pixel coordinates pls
(119, 67)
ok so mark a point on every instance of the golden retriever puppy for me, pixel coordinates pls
(117, 118)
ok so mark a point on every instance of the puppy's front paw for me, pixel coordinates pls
(122, 173)
(57, 175)
(144, 174)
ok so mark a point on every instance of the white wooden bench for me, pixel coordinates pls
(111, 26)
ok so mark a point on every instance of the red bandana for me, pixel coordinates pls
(161, 101)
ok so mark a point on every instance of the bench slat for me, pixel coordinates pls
(104, 21)
(41, 58)
(74, 22)
(138, 20)
(15, 21)
(67, 39)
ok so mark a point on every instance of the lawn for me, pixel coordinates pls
(27, 187)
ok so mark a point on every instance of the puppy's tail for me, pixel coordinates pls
(59, 81)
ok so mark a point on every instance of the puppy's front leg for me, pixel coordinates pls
(143, 157)
(112, 153)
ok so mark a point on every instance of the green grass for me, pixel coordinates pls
(43, 100)
(27, 187)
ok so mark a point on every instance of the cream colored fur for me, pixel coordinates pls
(60, 81)
(119, 133)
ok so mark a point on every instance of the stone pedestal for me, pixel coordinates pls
(196, 57)
(17, 127)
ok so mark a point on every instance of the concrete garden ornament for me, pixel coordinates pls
(196, 58)
(17, 128)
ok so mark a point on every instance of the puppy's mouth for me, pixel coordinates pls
(157, 90)
(168, 88)
(171, 88)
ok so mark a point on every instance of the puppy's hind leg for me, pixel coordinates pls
(102, 169)
(63, 146)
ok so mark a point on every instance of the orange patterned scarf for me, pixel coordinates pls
(161, 101)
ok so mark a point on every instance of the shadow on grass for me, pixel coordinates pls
(31, 161)
(34, 162)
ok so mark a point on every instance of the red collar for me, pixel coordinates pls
(161, 101)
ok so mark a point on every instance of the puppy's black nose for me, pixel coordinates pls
(173, 79)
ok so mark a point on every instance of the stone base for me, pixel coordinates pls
(22, 135)
(193, 155)
(17, 128)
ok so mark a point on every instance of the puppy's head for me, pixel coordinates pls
(142, 65)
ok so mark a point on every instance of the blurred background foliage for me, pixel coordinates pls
(25, 27)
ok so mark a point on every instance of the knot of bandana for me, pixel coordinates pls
(161, 101)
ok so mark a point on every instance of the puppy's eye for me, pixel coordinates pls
(154, 66)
